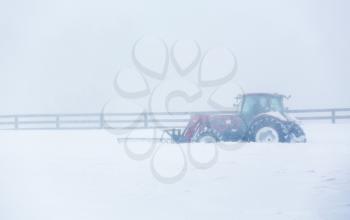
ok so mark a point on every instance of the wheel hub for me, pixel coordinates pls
(267, 135)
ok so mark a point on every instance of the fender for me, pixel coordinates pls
(278, 115)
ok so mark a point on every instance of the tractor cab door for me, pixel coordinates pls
(252, 106)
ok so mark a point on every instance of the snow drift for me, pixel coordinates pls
(88, 175)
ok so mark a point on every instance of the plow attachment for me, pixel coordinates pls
(168, 136)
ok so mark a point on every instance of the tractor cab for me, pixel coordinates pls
(253, 104)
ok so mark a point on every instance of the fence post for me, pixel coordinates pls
(57, 121)
(145, 118)
(16, 122)
(333, 116)
(102, 121)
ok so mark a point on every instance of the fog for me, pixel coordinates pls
(63, 56)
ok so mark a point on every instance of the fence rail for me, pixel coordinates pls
(140, 120)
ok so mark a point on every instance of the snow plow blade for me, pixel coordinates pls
(168, 136)
(136, 139)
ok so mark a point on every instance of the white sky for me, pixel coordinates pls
(62, 56)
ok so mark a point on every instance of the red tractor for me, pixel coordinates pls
(261, 118)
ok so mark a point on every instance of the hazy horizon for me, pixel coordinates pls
(63, 56)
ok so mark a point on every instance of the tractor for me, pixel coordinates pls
(261, 117)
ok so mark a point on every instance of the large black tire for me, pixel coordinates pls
(268, 122)
(210, 133)
(297, 134)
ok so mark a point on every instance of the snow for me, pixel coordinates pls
(88, 175)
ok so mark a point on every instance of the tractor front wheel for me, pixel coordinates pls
(207, 139)
(208, 136)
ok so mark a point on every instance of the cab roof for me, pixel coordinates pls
(262, 94)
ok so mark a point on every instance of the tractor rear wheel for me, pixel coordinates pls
(267, 135)
(297, 134)
(268, 129)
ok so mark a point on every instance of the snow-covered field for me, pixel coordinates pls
(88, 175)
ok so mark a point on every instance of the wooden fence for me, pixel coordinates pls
(140, 120)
